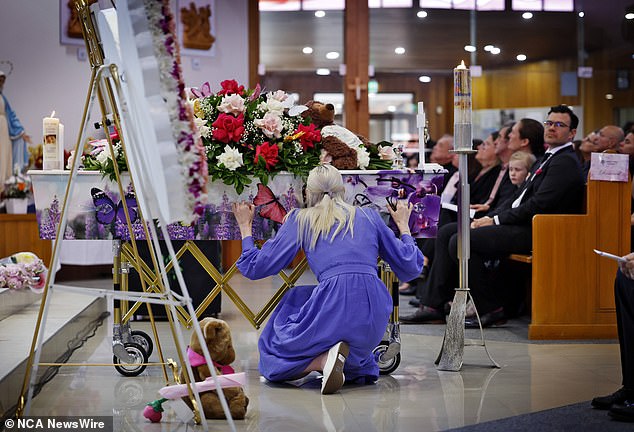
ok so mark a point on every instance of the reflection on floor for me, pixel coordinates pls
(416, 397)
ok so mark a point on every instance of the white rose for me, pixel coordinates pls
(202, 128)
(387, 153)
(103, 156)
(363, 157)
(231, 158)
(272, 106)
(233, 104)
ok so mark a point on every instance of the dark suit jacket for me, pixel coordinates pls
(556, 188)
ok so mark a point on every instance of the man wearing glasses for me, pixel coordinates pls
(555, 185)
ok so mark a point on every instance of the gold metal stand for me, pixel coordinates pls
(152, 280)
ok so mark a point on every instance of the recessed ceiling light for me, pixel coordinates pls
(521, 57)
(307, 50)
(391, 108)
(495, 51)
(421, 14)
(399, 50)
(527, 15)
(323, 71)
(469, 48)
(320, 14)
(629, 15)
(332, 55)
(609, 96)
(581, 14)
(488, 47)
(424, 78)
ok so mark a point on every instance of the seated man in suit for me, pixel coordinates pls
(554, 186)
(621, 403)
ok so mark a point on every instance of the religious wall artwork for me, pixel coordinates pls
(196, 24)
(69, 23)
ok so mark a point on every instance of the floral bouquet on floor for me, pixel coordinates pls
(17, 186)
(23, 270)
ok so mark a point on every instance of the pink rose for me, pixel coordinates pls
(270, 124)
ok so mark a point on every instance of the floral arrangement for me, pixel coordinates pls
(17, 186)
(23, 270)
(99, 158)
(249, 133)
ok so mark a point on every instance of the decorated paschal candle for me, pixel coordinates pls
(53, 147)
(462, 107)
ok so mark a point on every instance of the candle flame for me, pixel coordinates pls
(461, 65)
(53, 114)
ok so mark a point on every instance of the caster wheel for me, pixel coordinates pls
(136, 367)
(143, 339)
(386, 367)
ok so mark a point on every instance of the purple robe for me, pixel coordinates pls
(350, 302)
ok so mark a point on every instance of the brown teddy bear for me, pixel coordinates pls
(340, 146)
(338, 153)
(217, 336)
(320, 114)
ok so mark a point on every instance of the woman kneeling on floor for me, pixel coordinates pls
(334, 326)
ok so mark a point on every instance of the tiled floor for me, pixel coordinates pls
(416, 397)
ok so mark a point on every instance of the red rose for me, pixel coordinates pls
(230, 87)
(228, 128)
(310, 135)
(269, 152)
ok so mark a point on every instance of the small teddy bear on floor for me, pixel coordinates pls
(217, 335)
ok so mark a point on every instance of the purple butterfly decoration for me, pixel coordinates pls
(106, 211)
(205, 90)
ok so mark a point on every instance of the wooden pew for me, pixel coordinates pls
(572, 287)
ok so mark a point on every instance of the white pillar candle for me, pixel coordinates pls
(420, 124)
(462, 107)
(53, 150)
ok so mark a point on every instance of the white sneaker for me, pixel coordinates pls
(333, 370)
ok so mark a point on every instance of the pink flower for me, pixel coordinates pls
(270, 124)
(228, 128)
(153, 410)
(269, 152)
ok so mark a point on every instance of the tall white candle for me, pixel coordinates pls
(420, 124)
(53, 151)
(462, 107)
